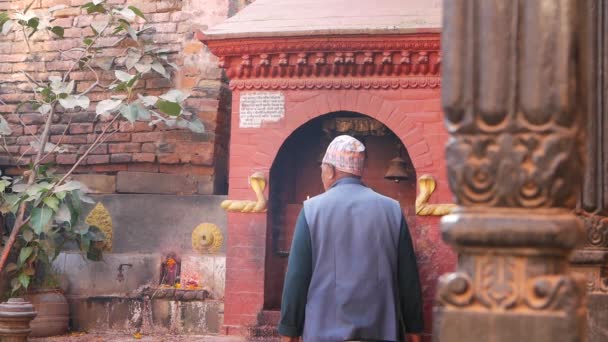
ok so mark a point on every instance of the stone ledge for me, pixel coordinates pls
(161, 183)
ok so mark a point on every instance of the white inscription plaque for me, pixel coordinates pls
(261, 106)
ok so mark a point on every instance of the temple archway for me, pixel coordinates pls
(295, 175)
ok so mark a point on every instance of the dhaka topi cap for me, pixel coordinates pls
(346, 154)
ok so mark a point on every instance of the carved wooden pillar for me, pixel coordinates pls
(512, 85)
(591, 260)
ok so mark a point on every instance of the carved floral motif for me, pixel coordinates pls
(502, 283)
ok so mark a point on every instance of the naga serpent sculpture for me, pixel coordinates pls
(257, 182)
(427, 185)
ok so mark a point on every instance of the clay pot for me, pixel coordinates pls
(53, 312)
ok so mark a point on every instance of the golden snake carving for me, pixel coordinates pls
(257, 182)
(427, 185)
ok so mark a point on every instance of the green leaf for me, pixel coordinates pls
(63, 214)
(10, 267)
(96, 234)
(87, 41)
(5, 129)
(24, 254)
(24, 279)
(148, 101)
(33, 23)
(107, 106)
(143, 68)
(131, 32)
(15, 284)
(60, 194)
(41, 217)
(127, 13)
(93, 8)
(85, 243)
(133, 112)
(52, 202)
(58, 30)
(159, 68)
(175, 95)
(196, 126)
(138, 12)
(28, 235)
(73, 101)
(6, 26)
(123, 76)
(169, 108)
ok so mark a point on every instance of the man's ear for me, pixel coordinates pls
(331, 171)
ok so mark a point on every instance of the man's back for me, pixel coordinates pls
(353, 290)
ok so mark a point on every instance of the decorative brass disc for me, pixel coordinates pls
(207, 238)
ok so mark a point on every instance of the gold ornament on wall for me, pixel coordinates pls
(257, 182)
(427, 184)
(207, 238)
(100, 218)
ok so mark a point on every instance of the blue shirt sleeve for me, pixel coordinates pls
(297, 280)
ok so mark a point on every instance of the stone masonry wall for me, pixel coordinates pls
(137, 158)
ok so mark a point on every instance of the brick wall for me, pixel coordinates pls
(197, 159)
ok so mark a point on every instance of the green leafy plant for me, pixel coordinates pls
(46, 207)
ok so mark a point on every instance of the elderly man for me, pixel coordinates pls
(352, 273)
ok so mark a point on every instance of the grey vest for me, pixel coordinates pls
(353, 290)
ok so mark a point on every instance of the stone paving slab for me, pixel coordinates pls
(131, 338)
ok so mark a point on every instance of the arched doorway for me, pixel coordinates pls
(295, 175)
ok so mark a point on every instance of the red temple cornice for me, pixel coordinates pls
(330, 62)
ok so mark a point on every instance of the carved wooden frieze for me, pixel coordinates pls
(379, 62)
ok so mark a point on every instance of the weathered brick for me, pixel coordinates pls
(16, 129)
(125, 148)
(31, 129)
(202, 159)
(98, 159)
(113, 168)
(154, 183)
(143, 167)
(100, 149)
(27, 151)
(121, 158)
(164, 27)
(148, 147)
(98, 184)
(167, 5)
(168, 158)
(67, 12)
(81, 128)
(32, 119)
(158, 17)
(144, 157)
(59, 129)
(13, 58)
(147, 137)
(114, 137)
(137, 126)
(25, 140)
(156, 82)
(69, 139)
(64, 22)
(66, 159)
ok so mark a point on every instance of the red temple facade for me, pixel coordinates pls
(297, 79)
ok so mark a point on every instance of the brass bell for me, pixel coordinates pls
(397, 170)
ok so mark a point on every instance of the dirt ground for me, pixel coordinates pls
(80, 337)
